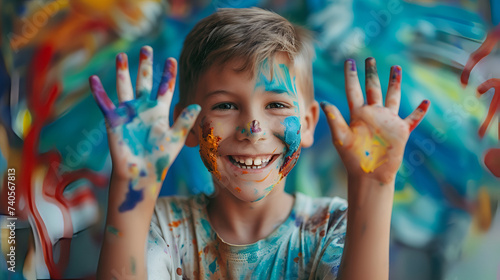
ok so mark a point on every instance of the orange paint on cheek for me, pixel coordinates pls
(208, 149)
(238, 189)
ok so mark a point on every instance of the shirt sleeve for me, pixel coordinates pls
(333, 243)
(159, 260)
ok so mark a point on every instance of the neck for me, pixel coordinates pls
(240, 222)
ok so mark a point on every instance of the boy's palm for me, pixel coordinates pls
(373, 144)
(141, 142)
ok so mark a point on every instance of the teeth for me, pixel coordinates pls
(251, 163)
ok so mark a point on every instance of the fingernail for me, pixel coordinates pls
(146, 52)
(424, 105)
(396, 72)
(352, 63)
(166, 82)
(122, 61)
(323, 104)
(193, 108)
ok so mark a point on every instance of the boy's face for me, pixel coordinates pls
(251, 130)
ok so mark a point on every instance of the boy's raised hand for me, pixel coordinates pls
(372, 145)
(141, 142)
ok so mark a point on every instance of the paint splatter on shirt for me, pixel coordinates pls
(308, 245)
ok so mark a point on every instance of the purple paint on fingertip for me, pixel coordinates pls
(352, 63)
(145, 52)
(166, 77)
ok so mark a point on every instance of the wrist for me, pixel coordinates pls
(365, 190)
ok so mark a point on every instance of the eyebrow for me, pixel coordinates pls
(218, 91)
(276, 90)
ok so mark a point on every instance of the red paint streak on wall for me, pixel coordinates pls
(492, 156)
(42, 93)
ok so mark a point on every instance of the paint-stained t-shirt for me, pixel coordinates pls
(308, 245)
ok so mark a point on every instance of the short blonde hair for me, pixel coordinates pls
(251, 35)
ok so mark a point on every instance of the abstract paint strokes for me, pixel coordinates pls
(491, 159)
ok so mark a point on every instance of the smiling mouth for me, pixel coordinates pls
(257, 162)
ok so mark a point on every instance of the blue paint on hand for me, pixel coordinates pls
(133, 197)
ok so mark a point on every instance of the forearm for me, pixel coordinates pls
(366, 250)
(123, 253)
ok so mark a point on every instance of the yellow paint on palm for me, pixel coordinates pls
(371, 151)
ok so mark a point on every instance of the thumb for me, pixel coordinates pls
(185, 121)
(338, 126)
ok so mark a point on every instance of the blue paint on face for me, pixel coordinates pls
(132, 198)
(281, 81)
(291, 136)
(297, 108)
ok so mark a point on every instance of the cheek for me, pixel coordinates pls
(209, 144)
(291, 134)
(291, 137)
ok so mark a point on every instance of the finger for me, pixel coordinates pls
(393, 97)
(144, 82)
(123, 83)
(167, 84)
(352, 87)
(101, 97)
(185, 122)
(416, 116)
(338, 126)
(372, 83)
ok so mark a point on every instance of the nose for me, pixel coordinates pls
(251, 131)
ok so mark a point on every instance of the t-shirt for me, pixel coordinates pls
(308, 245)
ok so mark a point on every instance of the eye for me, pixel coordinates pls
(224, 106)
(275, 105)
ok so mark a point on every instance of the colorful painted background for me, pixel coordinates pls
(446, 219)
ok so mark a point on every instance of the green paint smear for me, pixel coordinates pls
(213, 266)
(113, 230)
(161, 163)
(132, 264)
(206, 226)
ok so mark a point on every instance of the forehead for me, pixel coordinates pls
(226, 77)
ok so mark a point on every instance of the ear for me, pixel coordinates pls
(192, 139)
(309, 124)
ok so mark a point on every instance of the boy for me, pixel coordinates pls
(250, 70)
